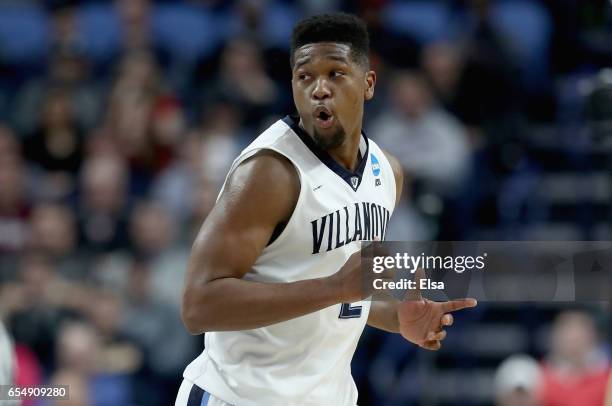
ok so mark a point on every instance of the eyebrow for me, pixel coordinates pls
(304, 60)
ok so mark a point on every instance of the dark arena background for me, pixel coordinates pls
(118, 123)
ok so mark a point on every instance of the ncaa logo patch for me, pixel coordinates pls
(375, 165)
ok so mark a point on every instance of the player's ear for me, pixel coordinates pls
(370, 82)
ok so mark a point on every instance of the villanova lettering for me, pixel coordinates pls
(356, 222)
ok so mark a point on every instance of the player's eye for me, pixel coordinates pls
(303, 76)
(336, 73)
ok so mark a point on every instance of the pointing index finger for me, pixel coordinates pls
(454, 305)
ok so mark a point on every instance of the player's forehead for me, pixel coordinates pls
(322, 51)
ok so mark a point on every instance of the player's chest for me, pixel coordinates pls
(332, 215)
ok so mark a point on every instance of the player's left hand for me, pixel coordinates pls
(422, 321)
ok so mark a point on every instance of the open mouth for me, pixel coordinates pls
(323, 117)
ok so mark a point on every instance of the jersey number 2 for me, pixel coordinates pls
(349, 312)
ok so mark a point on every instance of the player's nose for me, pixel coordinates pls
(321, 89)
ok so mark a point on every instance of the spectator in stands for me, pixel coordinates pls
(82, 363)
(202, 157)
(101, 143)
(9, 145)
(14, 199)
(488, 88)
(68, 72)
(131, 101)
(243, 81)
(442, 64)
(176, 185)
(103, 203)
(432, 147)
(56, 146)
(78, 348)
(153, 240)
(65, 32)
(516, 382)
(430, 143)
(54, 233)
(151, 230)
(576, 370)
(35, 315)
(79, 391)
(166, 130)
(135, 16)
(222, 139)
(154, 323)
(145, 120)
(52, 228)
(118, 354)
(138, 71)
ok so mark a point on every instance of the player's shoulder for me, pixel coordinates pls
(268, 164)
(266, 180)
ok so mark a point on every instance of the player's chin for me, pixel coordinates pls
(326, 133)
(330, 138)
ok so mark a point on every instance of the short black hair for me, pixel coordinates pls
(341, 28)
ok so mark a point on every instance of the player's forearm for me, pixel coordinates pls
(383, 315)
(236, 304)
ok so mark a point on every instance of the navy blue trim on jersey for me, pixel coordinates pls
(352, 178)
(198, 396)
(348, 311)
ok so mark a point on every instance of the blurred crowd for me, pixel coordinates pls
(119, 120)
(574, 372)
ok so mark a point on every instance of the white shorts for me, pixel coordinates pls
(190, 394)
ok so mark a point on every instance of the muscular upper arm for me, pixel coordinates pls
(260, 194)
(398, 173)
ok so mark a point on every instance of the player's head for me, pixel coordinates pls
(339, 28)
(331, 77)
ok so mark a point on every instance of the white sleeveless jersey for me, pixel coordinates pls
(306, 360)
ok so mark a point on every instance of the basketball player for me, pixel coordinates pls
(274, 277)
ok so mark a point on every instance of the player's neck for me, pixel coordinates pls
(347, 154)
